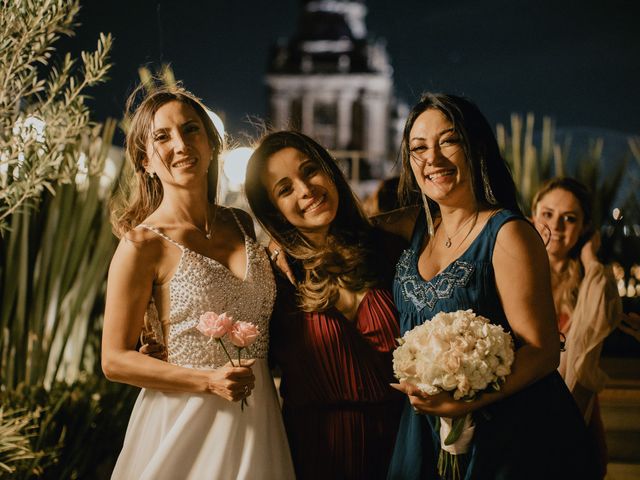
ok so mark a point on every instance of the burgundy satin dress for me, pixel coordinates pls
(339, 411)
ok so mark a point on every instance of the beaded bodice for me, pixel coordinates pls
(202, 284)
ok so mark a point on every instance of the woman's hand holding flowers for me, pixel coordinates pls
(440, 404)
(232, 383)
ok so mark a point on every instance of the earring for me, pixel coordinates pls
(427, 211)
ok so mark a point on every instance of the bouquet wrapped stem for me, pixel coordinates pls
(456, 435)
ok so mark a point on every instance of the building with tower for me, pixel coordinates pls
(334, 83)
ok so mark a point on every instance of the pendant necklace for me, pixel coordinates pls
(448, 242)
(207, 226)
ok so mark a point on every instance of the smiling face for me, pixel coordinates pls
(178, 149)
(301, 191)
(438, 160)
(559, 218)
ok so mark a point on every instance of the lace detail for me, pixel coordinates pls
(202, 284)
(422, 293)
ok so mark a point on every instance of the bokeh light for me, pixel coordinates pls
(234, 166)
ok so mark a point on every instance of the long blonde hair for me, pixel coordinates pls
(566, 285)
(139, 193)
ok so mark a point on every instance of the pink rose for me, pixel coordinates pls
(243, 334)
(213, 325)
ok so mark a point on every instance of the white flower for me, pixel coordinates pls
(458, 352)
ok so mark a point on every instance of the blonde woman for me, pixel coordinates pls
(584, 292)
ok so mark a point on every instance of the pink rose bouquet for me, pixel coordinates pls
(241, 334)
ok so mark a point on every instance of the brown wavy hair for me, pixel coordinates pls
(140, 194)
(347, 259)
(567, 286)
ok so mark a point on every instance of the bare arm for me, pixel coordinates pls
(523, 283)
(131, 276)
(523, 280)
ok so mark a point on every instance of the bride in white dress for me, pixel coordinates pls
(181, 255)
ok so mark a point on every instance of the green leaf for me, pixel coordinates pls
(456, 430)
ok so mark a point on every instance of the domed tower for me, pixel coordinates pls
(333, 83)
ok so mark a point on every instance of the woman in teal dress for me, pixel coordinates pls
(471, 248)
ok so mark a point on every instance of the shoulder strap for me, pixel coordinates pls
(240, 226)
(160, 234)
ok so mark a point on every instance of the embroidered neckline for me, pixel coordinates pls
(423, 293)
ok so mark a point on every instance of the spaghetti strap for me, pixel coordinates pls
(238, 222)
(160, 234)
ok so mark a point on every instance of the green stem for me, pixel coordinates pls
(225, 351)
(244, 400)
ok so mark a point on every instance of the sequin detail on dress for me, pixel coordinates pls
(202, 284)
(422, 293)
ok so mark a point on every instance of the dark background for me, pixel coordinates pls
(577, 61)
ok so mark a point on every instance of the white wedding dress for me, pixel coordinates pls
(195, 436)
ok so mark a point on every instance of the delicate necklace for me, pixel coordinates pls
(207, 226)
(207, 230)
(448, 243)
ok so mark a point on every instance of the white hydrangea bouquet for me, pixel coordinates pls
(458, 352)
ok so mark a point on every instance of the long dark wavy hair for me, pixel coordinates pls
(346, 259)
(492, 183)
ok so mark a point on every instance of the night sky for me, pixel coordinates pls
(578, 61)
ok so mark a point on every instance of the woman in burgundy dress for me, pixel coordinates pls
(333, 333)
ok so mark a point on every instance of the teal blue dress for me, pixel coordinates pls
(535, 433)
